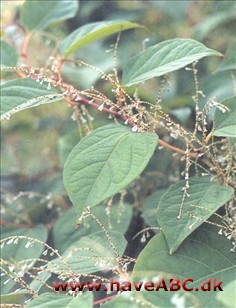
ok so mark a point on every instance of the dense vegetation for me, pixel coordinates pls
(135, 180)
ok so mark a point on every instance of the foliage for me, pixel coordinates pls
(135, 180)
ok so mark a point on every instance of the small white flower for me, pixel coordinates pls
(28, 244)
(178, 300)
(143, 239)
(100, 107)
(11, 268)
(10, 241)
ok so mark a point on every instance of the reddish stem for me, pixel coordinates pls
(104, 299)
(173, 148)
(84, 100)
(26, 47)
(62, 61)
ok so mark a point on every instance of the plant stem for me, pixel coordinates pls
(84, 100)
(208, 137)
(104, 299)
(26, 47)
(175, 149)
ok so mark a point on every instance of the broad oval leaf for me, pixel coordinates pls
(64, 237)
(149, 207)
(20, 94)
(105, 162)
(225, 122)
(163, 58)
(124, 300)
(91, 254)
(12, 298)
(39, 15)
(228, 297)
(92, 32)
(48, 300)
(38, 282)
(21, 251)
(220, 86)
(9, 56)
(66, 144)
(205, 254)
(205, 197)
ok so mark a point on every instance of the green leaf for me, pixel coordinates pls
(38, 15)
(150, 207)
(205, 254)
(12, 298)
(105, 162)
(66, 144)
(37, 284)
(225, 123)
(48, 300)
(123, 300)
(91, 253)
(92, 32)
(220, 86)
(228, 297)
(66, 236)
(16, 252)
(205, 197)
(163, 58)
(20, 94)
(9, 56)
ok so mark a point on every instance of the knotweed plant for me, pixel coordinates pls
(126, 213)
